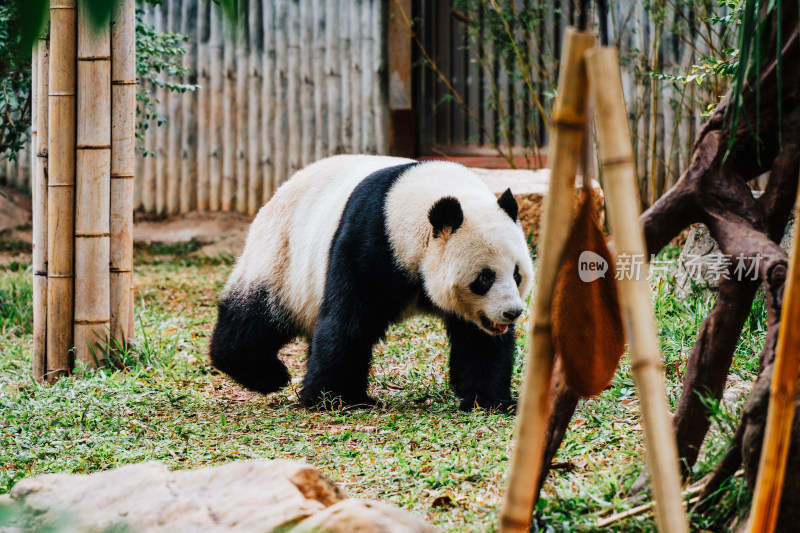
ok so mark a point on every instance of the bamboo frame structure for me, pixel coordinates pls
(618, 168)
(39, 194)
(123, 161)
(60, 186)
(782, 396)
(569, 116)
(92, 191)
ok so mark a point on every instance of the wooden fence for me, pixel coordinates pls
(301, 79)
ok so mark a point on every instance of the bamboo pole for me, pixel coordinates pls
(254, 136)
(293, 88)
(174, 120)
(216, 111)
(93, 191)
(320, 85)
(268, 101)
(306, 84)
(123, 160)
(60, 186)
(281, 79)
(242, 83)
(203, 163)
(569, 116)
(783, 393)
(189, 110)
(346, 133)
(39, 203)
(380, 107)
(355, 74)
(228, 124)
(161, 148)
(367, 112)
(622, 199)
(333, 77)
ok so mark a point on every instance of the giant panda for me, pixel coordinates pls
(354, 243)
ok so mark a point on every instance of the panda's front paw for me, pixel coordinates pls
(476, 401)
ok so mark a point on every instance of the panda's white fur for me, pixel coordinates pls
(287, 263)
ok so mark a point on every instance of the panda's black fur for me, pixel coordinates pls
(365, 291)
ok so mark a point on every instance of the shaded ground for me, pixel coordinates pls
(419, 452)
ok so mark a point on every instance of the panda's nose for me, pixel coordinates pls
(512, 314)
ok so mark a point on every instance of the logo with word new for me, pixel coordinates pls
(591, 266)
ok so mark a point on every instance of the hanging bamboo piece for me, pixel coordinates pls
(123, 156)
(60, 186)
(39, 204)
(782, 396)
(92, 191)
(568, 116)
(618, 168)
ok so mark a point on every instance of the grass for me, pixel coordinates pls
(418, 452)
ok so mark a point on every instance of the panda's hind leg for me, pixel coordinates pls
(480, 366)
(246, 340)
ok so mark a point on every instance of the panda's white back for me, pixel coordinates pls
(289, 240)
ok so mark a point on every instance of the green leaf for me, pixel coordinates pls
(32, 14)
(98, 12)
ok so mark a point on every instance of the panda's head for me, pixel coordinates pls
(477, 264)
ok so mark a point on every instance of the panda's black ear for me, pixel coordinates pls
(445, 216)
(508, 203)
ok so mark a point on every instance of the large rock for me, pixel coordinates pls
(245, 496)
(530, 188)
(702, 263)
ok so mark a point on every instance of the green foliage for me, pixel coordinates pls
(15, 79)
(16, 303)
(158, 64)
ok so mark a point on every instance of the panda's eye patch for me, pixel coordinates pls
(483, 282)
(517, 277)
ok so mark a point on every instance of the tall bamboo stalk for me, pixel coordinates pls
(293, 90)
(320, 87)
(569, 116)
(367, 41)
(354, 58)
(305, 52)
(216, 112)
(241, 113)
(254, 135)
(162, 175)
(267, 101)
(333, 77)
(203, 105)
(93, 191)
(123, 161)
(39, 193)
(782, 396)
(173, 160)
(281, 83)
(228, 124)
(189, 111)
(60, 186)
(618, 167)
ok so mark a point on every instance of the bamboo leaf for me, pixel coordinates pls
(32, 16)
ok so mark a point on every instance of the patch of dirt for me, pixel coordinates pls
(219, 232)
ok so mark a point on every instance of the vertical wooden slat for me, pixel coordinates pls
(355, 74)
(242, 83)
(281, 83)
(367, 113)
(268, 100)
(228, 124)
(320, 83)
(306, 83)
(92, 191)
(161, 148)
(217, 114)
(60, 186)
(174, 120)
(189, 109)
(254, 134)
(293, 99)
(378, 103)
(203, 99)
(123, 160)
(39, 205)
(346, 133)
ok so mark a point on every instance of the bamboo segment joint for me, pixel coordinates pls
(94, 58)
(617, 161)
(578, 124)
(122, 176)
(40, 273)
(62, 93)
(55, 185)
(51, 275)
(123, 82)
(120, 270)
(94, 147)
(91, 235)
(91, 322)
